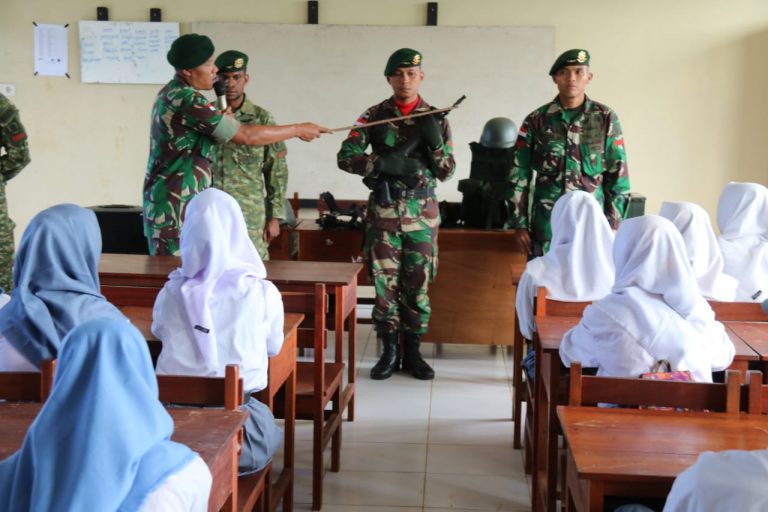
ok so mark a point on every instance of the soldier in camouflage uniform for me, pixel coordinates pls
(13, 139)
(185, 128)
(256, 176)
(406, 159)
(571, 143)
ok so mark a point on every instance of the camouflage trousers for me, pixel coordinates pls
(6, 250)
(256, 223)
(163, 246)
(401, 264)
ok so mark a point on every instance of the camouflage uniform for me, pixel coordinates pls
(245, 172)
(13, 139)
(185, 129)
(401, 237)
(581, 150)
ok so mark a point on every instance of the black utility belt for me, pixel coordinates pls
(412, 193)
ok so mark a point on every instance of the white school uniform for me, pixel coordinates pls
(654, 311)
(578, 265)
(742, 215)
(717, 481)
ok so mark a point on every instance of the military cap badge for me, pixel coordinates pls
(581, 57)
(416, 59)
(238, 63)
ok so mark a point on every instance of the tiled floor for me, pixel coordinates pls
(424, 445)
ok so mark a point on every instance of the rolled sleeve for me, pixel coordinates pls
(225, 130)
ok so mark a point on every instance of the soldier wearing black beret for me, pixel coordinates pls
(406, 160)
(571, 143)
(185, 129)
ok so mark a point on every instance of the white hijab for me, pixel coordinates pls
(702, 248)
(742, 215)
(727, 480)
(217, 258)
(654, 311)
(578, 266)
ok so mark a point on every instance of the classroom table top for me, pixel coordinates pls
(205, 431)
(142, 270)
(743, 335)
(643, 445)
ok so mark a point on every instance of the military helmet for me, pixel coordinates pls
(499, 132)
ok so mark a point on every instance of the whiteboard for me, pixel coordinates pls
(120, 52)
(330, 74)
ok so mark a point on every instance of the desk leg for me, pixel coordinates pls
(742, 367)
(539, 411)
(289, 442)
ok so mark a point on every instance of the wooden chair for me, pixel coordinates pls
(248, 492)
(28, 386)
(587, 390)
(755, 400)
(318, 382)
(544, 306)
(738, 311)
(701, 396)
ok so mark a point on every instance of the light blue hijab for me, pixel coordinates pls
(101, 441)
(57, 282)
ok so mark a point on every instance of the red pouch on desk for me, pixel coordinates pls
(658, 373)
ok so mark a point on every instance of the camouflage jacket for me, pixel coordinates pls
(256, 176)
(13, 139)
(587, 154)
(404, 214)
(185, 128)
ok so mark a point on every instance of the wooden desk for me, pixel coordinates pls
(631, 452)
(473, 264)
(547, 388)
(210, 432)
(123, 275)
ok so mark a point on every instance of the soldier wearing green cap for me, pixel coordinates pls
(406, 160)
(571, 143)
(256, 176)
(185, 130)
(15, 156)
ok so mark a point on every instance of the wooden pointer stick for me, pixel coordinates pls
(393, 119)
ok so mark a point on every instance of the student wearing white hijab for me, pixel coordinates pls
(717, 481)
(742, 215)
(578, 265)
(219, 309)
(655, 311)
(102, 439)
(702, 249)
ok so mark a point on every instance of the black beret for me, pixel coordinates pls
(575, 57)
(189, 51)
(231, 60)
(402, 58)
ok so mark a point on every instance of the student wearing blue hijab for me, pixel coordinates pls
(102, 440)
(56, 286)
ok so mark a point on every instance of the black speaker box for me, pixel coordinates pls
(122, 229)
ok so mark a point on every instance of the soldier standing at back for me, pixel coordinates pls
(247, 172)
(13, 142)
(571, 143)
(185, 129)
(406, 159)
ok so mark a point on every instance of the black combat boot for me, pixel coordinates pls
(389, 361)
(412, 360)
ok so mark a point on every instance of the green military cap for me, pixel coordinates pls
(575, 57)
(189, 51)
(402, 58)
(231, 60)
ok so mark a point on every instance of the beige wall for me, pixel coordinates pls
(687, 78)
